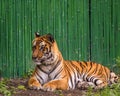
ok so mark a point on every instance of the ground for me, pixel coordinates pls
(18, 87)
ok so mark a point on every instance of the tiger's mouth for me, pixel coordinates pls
(45, 59)
(38, 62)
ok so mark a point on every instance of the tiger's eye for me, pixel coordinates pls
(41, 47)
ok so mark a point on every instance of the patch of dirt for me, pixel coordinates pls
(25, 91)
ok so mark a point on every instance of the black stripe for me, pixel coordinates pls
(106, 72)
(58, 73)
(74, 69)
(86, 63)
(95, 69)
(50, 56)
(96, 82)
(78, 76)
(87, 79)
(49, 43)
(41, 69)
(70, 77)
(74, 66)
(90, 66)
(100, 70)
(39, 77)
(58, 63)
(74, 77)
(91, 79)
(81, 65)
(84, 77)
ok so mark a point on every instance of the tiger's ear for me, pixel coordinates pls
(37, 34)
(50, 37)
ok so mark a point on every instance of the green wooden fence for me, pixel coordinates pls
(84, 30)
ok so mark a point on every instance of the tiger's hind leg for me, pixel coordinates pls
(98, 84)
(85, 85)
(82, 85)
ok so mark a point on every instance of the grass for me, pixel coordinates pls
(113, 90)
(4, 88)
(7, 90)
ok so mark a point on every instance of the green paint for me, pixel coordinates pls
(80, 36)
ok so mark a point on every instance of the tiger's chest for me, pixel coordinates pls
(48, 73)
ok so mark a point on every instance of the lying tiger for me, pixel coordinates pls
(53, 72)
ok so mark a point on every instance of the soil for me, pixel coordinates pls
(16, 91)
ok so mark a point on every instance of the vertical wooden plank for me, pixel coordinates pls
(93, 28)
(54, 4)
(14, 41)
(111, 36)
(73, 39)
(7, 38)
(101, 36)
(57, 26)
(29, 8)
(76, 47)
(25, 28)
(70, 30)
(116, 26)
(44, 16)
(10, 41)
(61, 27)
(21, 40)
(58, 23)
(8, 27)
(65, 30)
(86, 29)
(80, 28)
(16, 34)
(106, 32)
(118, 18)
(22, 35)
(1, 38)
(39, 16)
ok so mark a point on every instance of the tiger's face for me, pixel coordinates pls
(42, 49)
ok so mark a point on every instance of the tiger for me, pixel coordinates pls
(52, 72)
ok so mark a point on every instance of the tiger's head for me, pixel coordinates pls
(44, 49)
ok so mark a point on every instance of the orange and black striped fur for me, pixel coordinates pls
(53, 72)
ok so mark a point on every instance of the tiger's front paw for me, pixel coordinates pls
(34, 84)
(49, 87)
